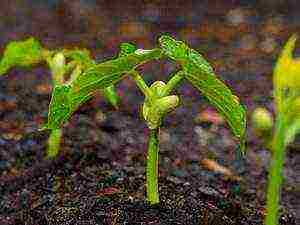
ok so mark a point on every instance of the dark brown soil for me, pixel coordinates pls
(99, 177)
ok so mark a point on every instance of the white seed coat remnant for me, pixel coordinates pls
(142, 51)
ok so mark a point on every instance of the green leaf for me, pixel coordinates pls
(198, 71)
(21, 54)
(108, 73)
(68, 97)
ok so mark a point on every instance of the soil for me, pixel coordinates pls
(99, 176)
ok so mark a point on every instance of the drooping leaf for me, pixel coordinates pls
(67, 98)
(198, 71)
(21, 54)
(108, 73)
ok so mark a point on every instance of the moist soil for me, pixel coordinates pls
(99, 176)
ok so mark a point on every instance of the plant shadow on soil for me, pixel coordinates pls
(99, 178)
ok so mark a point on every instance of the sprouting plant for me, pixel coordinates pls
(159, 100)
(286, 80)
(62, 63)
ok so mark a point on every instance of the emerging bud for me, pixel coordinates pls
(154, 113)
(57, 66)
(167, 104)
(157, 88)
(59, 60)
(262, 120)
(287, 69)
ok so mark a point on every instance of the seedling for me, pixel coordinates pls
(286, 80)
(62, 63)
(159, 100)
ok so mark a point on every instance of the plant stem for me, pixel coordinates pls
(173, 82)
(152, 167)
(275, 173)
(54, 143)
(141, 83)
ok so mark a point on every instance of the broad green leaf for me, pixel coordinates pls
(198, 71)
(67, 98)
(21, 54)
(108, 73)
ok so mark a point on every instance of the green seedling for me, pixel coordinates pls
(62, 63)
(159, 100)
(286, 80)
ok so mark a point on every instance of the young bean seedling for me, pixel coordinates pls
(286, 80)
(62, 63)
(159, 100)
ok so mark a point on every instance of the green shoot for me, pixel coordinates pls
(28, 53)
(287, 124)
(158, 98)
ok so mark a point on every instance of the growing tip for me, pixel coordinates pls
(289, 46)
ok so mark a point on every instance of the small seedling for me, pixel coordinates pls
(159, 100)
(62, 63)
(286, 80)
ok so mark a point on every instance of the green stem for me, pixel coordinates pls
(152, 167)
(141, 83)
(54, 143)
(276, 173)
(173, 82)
